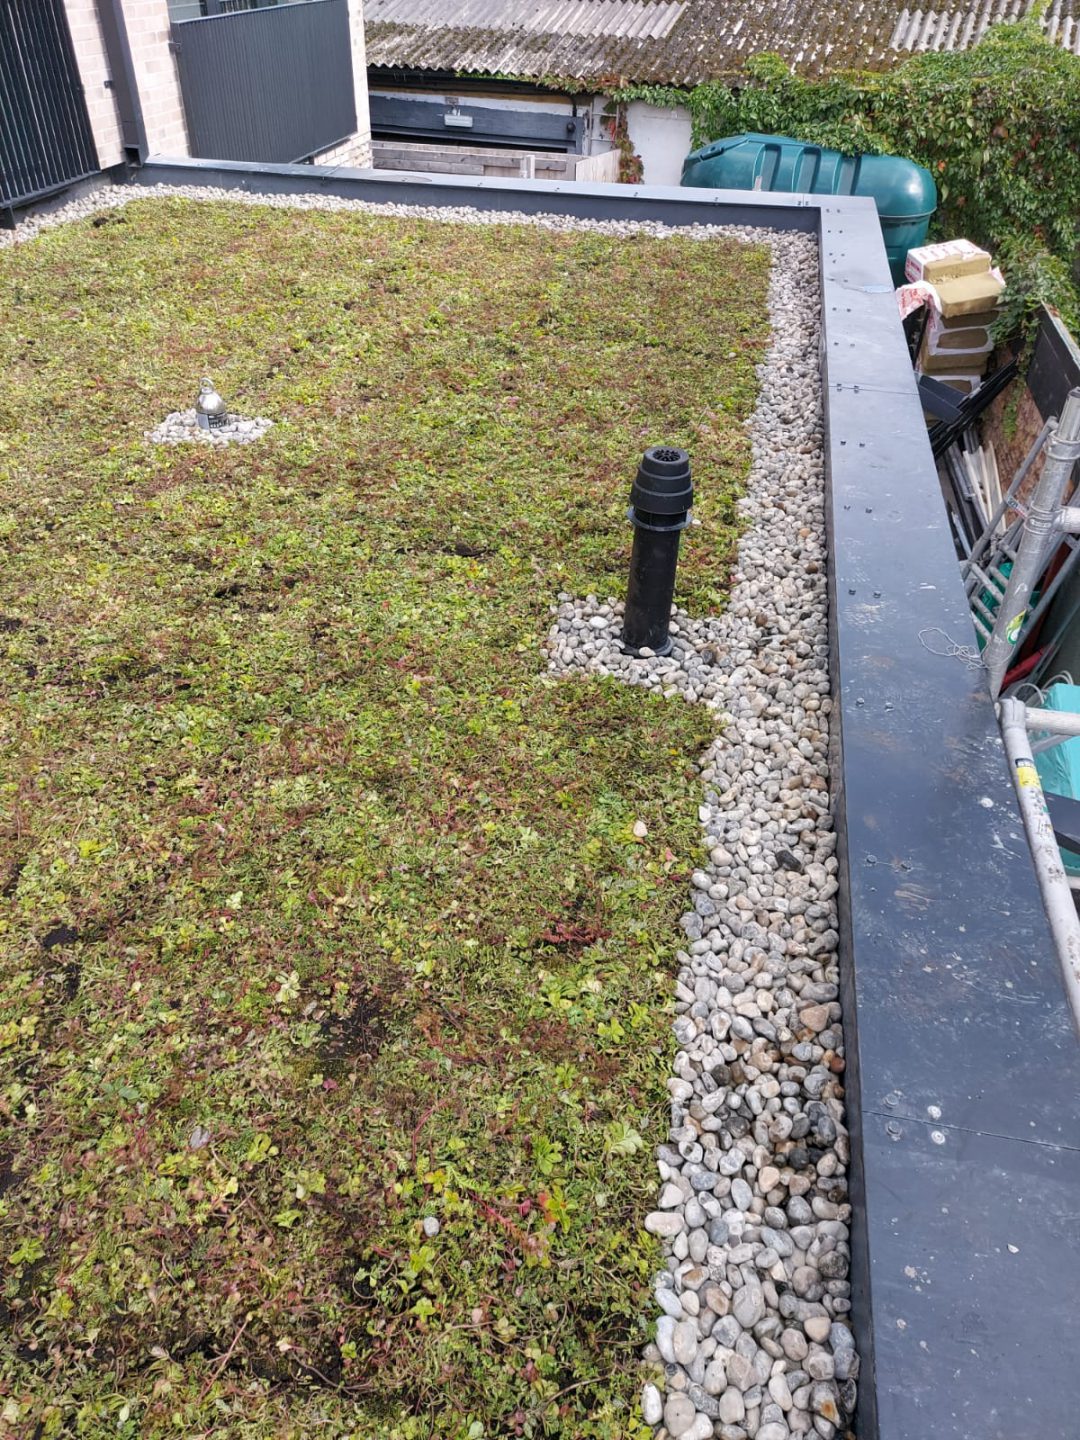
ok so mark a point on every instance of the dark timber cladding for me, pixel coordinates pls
(271, 85)
(413, 117)
(963, 1072)
(45, 137)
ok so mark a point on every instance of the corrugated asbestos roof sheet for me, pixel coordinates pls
(677, 42)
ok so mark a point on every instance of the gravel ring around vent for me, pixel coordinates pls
(752, 1342)
(181, 427)
(753, 1212)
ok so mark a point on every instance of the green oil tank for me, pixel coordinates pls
(905, 193)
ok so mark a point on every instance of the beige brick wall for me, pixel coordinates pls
(155, 72)
(89, 48)
(356, 151)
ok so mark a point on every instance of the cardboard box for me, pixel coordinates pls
(945, 261)
(969, 294)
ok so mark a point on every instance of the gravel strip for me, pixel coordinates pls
(112, 197)
(753, 1210)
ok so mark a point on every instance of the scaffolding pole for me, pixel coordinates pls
(1057, 897)
(1040, 527)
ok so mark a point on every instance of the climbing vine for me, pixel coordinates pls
(630, 163)
(997, 125)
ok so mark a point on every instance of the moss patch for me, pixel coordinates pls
(324, 911)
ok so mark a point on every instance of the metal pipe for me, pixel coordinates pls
(1053, 722)
(1062, 452)
(125, 85)
(986, 578)
(1067, 520)
(660, 502)
(1053, 882)
(1018, 479)
(984, 610)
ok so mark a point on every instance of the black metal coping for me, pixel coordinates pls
(591, 201)
(963, 1070)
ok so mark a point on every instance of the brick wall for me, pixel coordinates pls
(354, 152)
(89, 48)
(1011, 425)
(1015, 418)
(155, 73)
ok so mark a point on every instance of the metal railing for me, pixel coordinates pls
(200, 9)
(272, 84)
(45, 137)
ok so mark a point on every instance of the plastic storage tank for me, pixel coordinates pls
(904, 192)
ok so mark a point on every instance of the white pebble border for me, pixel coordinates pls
(115, 197)
(753, 1208)
(753, 1340)
(182, 427)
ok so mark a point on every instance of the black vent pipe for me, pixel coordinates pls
(660, 502)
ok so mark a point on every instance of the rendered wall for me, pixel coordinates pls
(661, 138)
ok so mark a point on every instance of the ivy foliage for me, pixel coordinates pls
(998, 126)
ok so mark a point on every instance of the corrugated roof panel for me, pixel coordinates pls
(558, 17)
(678, 42)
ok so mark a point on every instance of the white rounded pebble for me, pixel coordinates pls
(679, 1414)
(731, 1407)
(182, 428)
(652, 1407)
